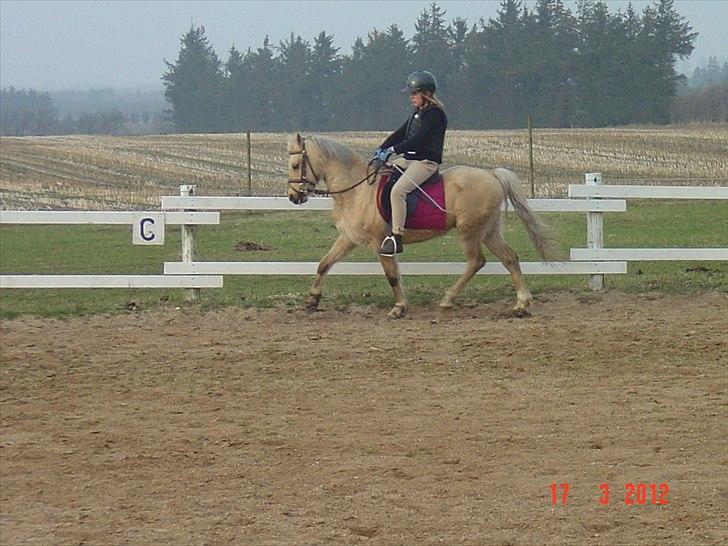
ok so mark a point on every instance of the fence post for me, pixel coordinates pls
(249, 171)
(530, 155)
(594, 230)
(188, 242)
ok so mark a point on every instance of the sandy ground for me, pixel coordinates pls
(270, 427)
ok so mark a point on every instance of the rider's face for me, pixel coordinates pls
(418, 101)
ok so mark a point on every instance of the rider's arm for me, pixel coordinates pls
(395, 138)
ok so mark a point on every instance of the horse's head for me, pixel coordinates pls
(301, 177)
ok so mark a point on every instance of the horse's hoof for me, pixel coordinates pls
(521, 313)
(397, 313)
(312, 304)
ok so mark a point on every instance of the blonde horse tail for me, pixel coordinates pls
(537, 230)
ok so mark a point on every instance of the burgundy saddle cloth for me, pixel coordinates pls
(421, 212)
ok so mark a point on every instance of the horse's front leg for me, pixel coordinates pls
(341, 247)
(391, 270)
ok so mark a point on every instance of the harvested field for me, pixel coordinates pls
(265, 426)
(97, 172)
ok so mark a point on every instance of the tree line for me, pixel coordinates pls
(589, 68)
(32, 112)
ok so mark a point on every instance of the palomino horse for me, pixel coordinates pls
(473, 199)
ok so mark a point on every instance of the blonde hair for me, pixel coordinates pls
(431, 98)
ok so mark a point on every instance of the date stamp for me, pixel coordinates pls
(635, 494)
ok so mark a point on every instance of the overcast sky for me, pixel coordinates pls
(89, 44)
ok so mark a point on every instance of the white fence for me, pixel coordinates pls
(107, 281)
(593, 198)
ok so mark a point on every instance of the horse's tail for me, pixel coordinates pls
(537, 230)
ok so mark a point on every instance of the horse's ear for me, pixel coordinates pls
(298, 138)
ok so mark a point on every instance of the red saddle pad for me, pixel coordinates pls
(421, 212)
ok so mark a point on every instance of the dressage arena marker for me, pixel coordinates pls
(107, 281)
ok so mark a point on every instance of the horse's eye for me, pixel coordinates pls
(295, 166)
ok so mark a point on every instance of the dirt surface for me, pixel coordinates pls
(267, 426)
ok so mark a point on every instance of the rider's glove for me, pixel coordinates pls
(383, 155)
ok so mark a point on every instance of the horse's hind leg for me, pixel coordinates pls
(508, 257)
(471, 243)
(341, 247)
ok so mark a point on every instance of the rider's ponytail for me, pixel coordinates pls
(431, 98)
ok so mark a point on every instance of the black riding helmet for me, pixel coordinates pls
(422, 80)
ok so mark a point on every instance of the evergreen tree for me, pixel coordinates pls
(294, 96)
(235, 103)
(193, 85)
(598, 67)
(259, 73)
(666, 37)
(325, 77)
(505, 89)
(551, 52)
(456, 102)
(432, 45)
(26, 112)
(711, 73)
(371, 80)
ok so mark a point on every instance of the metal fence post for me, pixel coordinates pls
(188, 242)
(594, 230)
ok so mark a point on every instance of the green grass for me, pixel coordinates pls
(306, 236)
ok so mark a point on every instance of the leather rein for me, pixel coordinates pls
(309, 186)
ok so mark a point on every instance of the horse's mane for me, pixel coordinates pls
(329, 148)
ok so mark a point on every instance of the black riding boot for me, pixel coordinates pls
(391, 245)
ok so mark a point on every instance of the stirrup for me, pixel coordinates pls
(391, 245)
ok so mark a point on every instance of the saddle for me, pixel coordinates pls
(421, 213)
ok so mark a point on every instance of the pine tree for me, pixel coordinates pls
(666, 37)
(26, 112)
(261, 73)
(235, 104)
(193, 85)
(325, 80)
(552, 58)
(507, 72)
(371, 80)
(295, 79)
(432, 46)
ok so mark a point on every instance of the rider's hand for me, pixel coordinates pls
(383, 155)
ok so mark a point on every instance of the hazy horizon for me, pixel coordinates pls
(55, 46)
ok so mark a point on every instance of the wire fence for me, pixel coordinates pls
(123, 173)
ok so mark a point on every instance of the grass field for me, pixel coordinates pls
(306, 236)
(97, 172)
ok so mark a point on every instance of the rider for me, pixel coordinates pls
(419, 142)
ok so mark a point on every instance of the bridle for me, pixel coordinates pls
(309, 186)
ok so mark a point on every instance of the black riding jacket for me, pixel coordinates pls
(422, 136)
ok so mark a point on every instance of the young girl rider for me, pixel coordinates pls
(419, 144)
